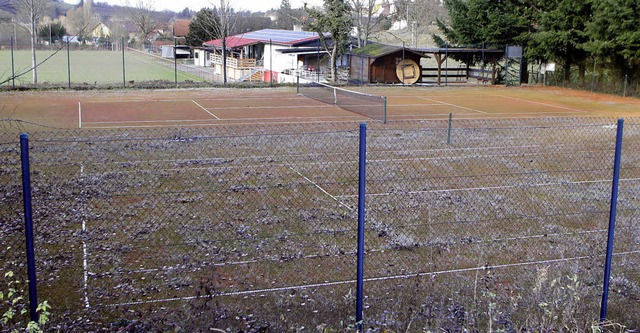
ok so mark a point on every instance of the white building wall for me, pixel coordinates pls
(201, 58)
(276, 61)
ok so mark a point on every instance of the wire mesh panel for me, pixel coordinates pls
(482, 225)
(493, 228)
(131, 219)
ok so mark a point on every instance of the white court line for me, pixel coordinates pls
(487, 188)
(79, 115)
(85, 266)
(455, 106)
(321, 189)
(382, 278)
(544, 104)
(223, 119)
(323, 106)
(205, 110)
(230, 122)
(147, 121)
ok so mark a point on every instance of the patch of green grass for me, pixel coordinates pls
(91, 67)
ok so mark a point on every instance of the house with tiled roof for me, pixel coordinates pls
(267, 54)
(181, 27)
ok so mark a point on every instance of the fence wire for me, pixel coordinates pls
(498, 224)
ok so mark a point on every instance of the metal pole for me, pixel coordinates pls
(483, 78)
(449, 130)
(593, 75)
(68, 64)
(626, 79)
(28, 219)
(361, 196)
(612, 220)
(124, 75)
(384, 118)
(446, 64)
(175, 62)
(13, 67)
(318, 65)
(270, 63)
(506, 67)
(402, 66)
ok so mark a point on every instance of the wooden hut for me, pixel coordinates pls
(380, 63)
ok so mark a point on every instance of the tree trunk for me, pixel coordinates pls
(567, 70)
(224, 59)
(334, 68)
(582, 69)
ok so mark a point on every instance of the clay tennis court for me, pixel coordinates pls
(213, 107)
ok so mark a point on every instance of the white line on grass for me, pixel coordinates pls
(382, 278)
(544, 104)
(321, 189)
(455, 106)
(205, 110)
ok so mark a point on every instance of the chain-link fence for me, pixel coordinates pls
(87, 66)
(591, 76)
(487, 225)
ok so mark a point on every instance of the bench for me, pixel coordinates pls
(482, 75)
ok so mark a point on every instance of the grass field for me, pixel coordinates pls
(90, 67)
(222, 208)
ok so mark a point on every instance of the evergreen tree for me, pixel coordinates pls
(55, 31)
(204, 27)
(560, 34)
(613, 31)
(473, 22)
(286, 19)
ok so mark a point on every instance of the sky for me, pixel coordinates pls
(179, 5)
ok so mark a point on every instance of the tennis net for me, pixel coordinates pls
(371, 106)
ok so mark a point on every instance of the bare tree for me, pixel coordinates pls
(222, 26)
(141, 15)
(336, 20)
(82, 17)
(363, 14)
(29, 13)
(6, 5)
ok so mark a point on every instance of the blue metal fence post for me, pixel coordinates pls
(612, 220)
(361, 195)
(31, 258)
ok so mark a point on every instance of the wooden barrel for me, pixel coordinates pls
(408, 71)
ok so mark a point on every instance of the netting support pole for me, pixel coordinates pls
(13, 67)
(361, 195)
(68, 63)
(449, 129)
(384, 116)
(28, 221)
(612, 221)
(175, 61)
(124, 75)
